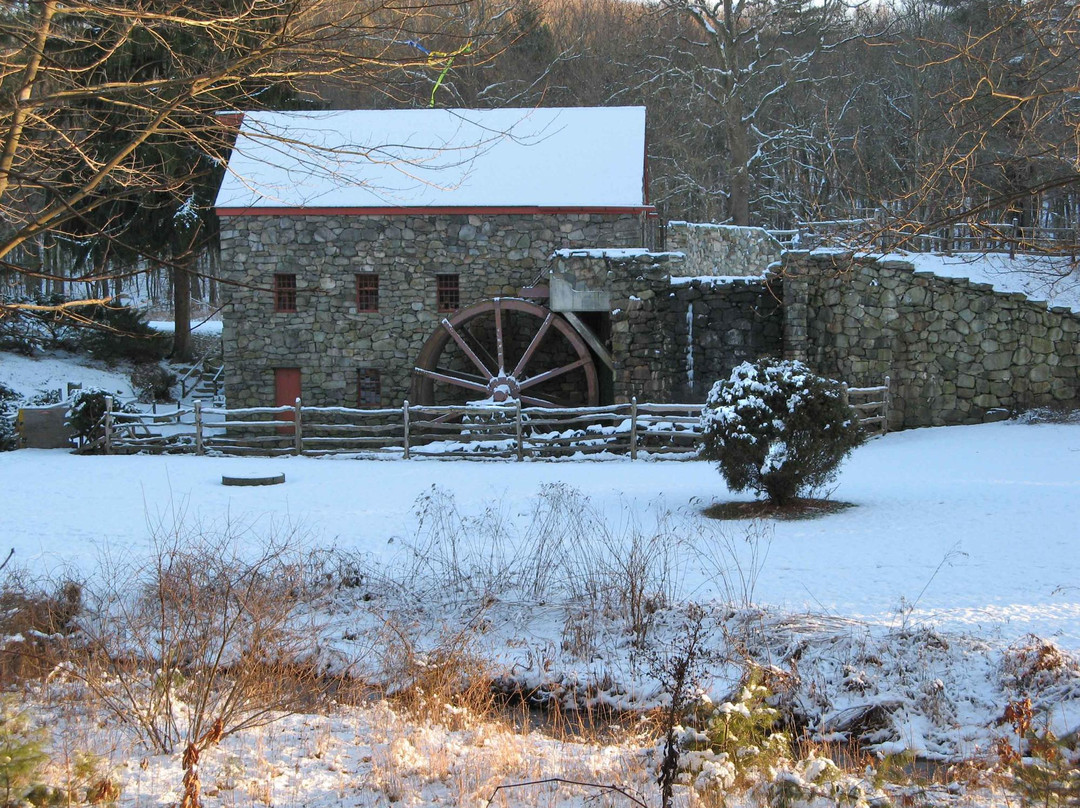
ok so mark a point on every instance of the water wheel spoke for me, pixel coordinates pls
(538, 402)
(551, 374)
(477, 342)
(499, 336)
(491, 334)
(460, 374)
(451, 379)
(467, 350)
(533, 345)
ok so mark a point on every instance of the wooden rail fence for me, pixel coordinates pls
(871, 404)
(490, 431)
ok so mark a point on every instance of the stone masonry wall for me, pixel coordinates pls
(670, 340)
(327, 338)
(957, 351)
(718, 325)
(720, 249)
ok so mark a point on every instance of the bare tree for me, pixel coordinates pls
(111, 108)
(741, 58)
(1008, 145)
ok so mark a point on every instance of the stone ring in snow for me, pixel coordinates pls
(275, 479)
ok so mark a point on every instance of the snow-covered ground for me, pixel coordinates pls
(29, 375)
(964, 528)
(198, 326)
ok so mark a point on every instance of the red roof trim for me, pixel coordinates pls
(428, 211)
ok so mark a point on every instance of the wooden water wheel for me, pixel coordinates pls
(506, 349)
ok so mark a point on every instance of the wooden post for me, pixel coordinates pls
(108, 424)
(1015, 237)
(885, 408)
(633, 428)
(298, 438)
(200, 448)
(844, 393)
(517, 429)
(405, 417)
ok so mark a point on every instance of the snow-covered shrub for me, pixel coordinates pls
(747, 729)
(9, 405)
(87, 407)
(776, 428)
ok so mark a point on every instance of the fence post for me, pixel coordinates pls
(517, 429)
(108, 424)
(200, 449)
(405, 417)
(885, 406)
(298, 438)
(844, 393)
(1015, 236)
(633, 428)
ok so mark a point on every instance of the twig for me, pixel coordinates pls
(564, 781)
(11, 553)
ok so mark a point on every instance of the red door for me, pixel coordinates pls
(286, 391)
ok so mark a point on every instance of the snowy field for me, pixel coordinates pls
(962, 528)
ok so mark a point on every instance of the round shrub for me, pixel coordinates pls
(777, 429)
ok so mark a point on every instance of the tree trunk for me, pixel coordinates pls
(181, 312)
(738, 139)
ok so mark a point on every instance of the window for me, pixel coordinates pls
(284, 293)
(368, 388)
(367, 292)
(447, 292)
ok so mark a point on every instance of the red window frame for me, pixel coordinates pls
(368, 388)
(448, 291)
(367, 291)
(285, 292)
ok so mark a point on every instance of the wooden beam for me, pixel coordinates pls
(591, 339)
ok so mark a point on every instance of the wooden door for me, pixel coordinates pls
(286, 391)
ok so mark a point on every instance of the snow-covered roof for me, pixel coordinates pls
(438, 158)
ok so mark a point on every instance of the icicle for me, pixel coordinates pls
(690, 346)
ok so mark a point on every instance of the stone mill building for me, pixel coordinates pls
(347, 238)
(443, 256)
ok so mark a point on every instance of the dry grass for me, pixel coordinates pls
(802, 508)
(37, 618)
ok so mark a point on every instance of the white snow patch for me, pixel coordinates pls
(29, 375)
(1055, 280)
(715, 280)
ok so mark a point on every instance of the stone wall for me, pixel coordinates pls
(957, 352)
(720, 324)
(672, 336)
(327, 338)
(720, 249)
